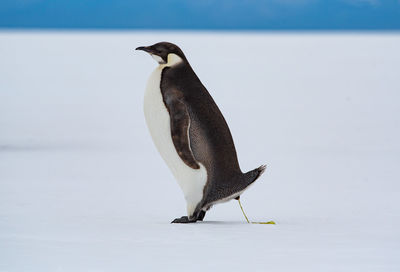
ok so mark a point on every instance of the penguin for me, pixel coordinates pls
(191, 134)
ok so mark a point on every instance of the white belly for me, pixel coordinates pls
(191, 181)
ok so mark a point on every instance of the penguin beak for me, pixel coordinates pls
(152, 53)
(144, 48)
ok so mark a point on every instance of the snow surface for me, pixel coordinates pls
(82, 188)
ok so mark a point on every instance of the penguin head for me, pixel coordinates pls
(164, 53)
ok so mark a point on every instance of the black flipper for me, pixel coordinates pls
(180, 122)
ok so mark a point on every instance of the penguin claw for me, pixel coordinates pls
(183, 220)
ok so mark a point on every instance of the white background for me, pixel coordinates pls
(82, 188)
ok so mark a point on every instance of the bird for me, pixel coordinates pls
(191, 134)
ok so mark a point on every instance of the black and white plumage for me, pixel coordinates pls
(191, 134)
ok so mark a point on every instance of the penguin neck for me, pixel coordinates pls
(172, 60)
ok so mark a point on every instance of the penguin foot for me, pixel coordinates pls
(184, 220)
(201, 215)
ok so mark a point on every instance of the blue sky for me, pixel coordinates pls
(202, 14)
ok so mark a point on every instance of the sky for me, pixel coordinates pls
(203, 14)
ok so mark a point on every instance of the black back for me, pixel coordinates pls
(210, 138)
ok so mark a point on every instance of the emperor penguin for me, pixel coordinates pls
(191, 134)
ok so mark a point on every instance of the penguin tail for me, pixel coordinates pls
(253, 175)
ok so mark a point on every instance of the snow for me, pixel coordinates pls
(82, 187)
